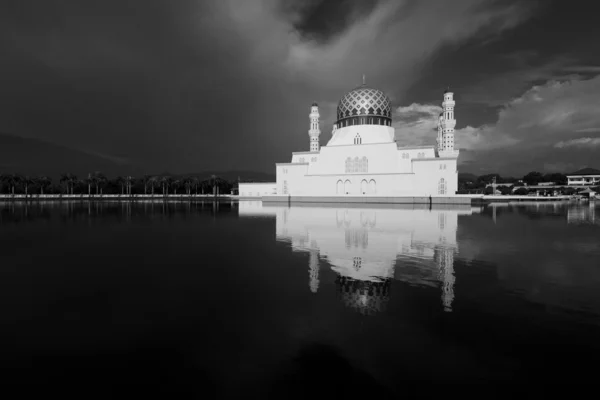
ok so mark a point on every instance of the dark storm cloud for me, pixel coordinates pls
(194, 85)
(321, 20)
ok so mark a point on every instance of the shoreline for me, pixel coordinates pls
(110, 197)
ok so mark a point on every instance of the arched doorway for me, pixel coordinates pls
(372, 186)
(364, 186)
(339, 189)
(347, 187)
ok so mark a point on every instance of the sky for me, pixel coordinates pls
(193, 85)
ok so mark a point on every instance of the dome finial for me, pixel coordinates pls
(364, 80)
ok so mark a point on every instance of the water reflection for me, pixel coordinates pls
(584, 214)
(368, 247)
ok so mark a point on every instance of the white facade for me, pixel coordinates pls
(362, 157)
(585, 177)
(257, 189)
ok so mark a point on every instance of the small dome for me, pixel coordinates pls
(364, 101)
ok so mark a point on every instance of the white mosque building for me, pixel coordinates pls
(362, 160)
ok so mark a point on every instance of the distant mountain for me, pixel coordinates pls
(244, 176)
(36, 157)
(466, 177)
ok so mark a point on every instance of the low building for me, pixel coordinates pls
(584, 177)
(257, 189)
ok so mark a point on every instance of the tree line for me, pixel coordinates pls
(97, 183)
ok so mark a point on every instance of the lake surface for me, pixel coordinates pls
(244, 299)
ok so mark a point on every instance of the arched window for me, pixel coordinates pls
(347, 187)
(365, 165)
(339, 189)
(348, 165)
(285, 187)
(442, 186)
(356, 165)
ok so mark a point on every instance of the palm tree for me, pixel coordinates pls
(153, 182)
(166, 182)
(195, 182)
(11, 180)
(215, 182)
(129, 181)
(89, 182)
(69, 180)
(44, 182)
(187, 182)
(119, 180)
(145, 181)
(175, 184)
(64, 179)
(26, 180)
(97, 178)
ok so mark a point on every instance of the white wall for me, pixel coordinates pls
(369, 134)
(428, 174)
(257, 189)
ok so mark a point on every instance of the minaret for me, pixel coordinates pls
(314, 130)
(440, 143)
(448, 123)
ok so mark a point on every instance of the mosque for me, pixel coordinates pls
(362, 158)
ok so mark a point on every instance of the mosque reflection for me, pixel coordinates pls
(368, 247)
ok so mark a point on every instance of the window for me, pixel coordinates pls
(339, 189)
(357, 139)
(301, 159)
(285, 187)
(442, 186)
(357, 165)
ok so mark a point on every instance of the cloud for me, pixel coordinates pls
(188, 79)
(581, 142)
(399, 35)
(539, 129)
(416, 124)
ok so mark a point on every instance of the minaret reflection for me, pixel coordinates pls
(313, 271)
(368, 247)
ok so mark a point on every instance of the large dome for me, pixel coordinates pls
(364, 106)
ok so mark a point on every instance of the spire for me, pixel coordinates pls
(364, 80)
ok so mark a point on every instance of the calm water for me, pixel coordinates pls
(238, 300)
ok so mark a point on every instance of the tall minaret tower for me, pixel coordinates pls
(447, 124)
(440, 137)
(314, 130)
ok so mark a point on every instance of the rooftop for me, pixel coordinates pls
(586, 171)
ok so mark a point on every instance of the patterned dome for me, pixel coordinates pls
(365, 101)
